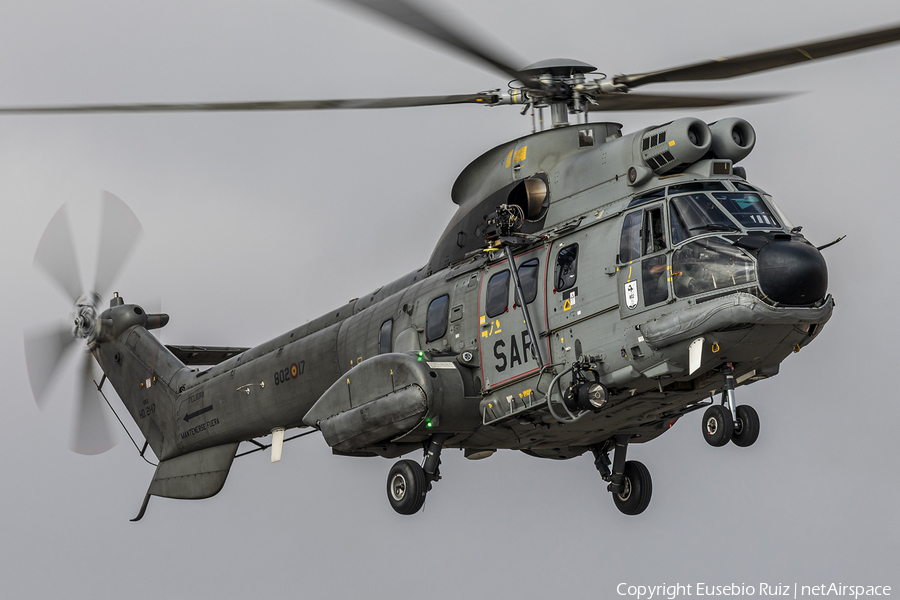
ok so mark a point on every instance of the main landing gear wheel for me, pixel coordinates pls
(718, 425)
(636, 489)
(746, 429)
(406, 487)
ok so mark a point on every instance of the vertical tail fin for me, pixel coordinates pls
(142, 370)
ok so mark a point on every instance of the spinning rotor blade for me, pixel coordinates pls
(91, 433)
(44, 351)
(724, 68)
(56, 255)
(613, 102)
(401, 102)
(430, 26)
(120, 231)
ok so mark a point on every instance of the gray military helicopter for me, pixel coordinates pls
(592, 288)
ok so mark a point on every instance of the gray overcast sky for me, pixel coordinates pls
(255, 223)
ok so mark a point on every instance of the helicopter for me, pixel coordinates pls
(503, 339)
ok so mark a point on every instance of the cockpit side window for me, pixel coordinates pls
(654, 231)
(748, 209)
(566, 267)
(694, 214)
(630, 245)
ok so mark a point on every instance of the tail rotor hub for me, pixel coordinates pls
(86, 318)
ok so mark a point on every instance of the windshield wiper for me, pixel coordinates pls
(715, 227)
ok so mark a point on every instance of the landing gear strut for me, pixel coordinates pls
(727, 422)
(408, 483)
(630, 482)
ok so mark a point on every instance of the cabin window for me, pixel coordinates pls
(630, 245)
(654, 235)
(384, 337)
(694, 214)
(497, 294)
(748, 209)
(436, 319)
(566, 267)
(528, 278)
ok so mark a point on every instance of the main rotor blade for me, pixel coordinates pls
(402, 102)
(44, 351)
(724, 68)
(431, 26)
(615, 102)
(56, 255)
(91, 433)
(120, 231)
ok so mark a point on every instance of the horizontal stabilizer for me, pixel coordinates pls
(204, 355)
(193, 476)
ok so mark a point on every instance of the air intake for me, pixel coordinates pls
(732, 139)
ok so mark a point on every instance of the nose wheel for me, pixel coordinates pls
(738, 424)
(718, 425)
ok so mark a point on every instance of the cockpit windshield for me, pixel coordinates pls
(693, 214)
(748, 209)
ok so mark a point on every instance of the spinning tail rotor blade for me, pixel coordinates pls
(120, 231)
(44, 351)
(91, 433)
(56, 255)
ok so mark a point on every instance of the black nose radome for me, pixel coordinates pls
(792, 272)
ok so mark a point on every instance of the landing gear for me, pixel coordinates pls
(636, 489)
(406, 487)
(630, 482)
(727, 422)
(408, 483)
(718, 425)
(746, 427)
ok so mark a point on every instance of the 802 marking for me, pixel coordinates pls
(293, 372)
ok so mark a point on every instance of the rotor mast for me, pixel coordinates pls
(560, 82)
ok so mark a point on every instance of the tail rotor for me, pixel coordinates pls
(46, 348)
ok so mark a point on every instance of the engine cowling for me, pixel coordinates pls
(681, 142)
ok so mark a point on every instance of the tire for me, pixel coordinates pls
(635, 498)
(406, 487)
(747, 428)
(718, 425)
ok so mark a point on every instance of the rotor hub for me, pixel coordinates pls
(86, 318)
